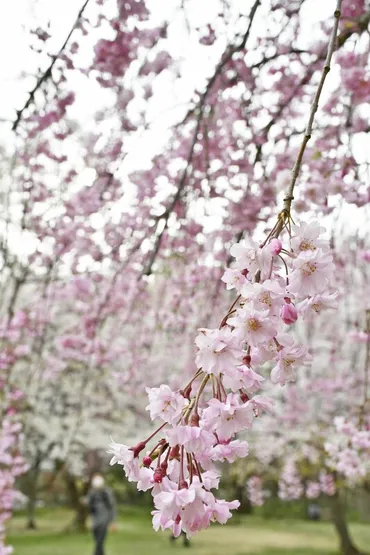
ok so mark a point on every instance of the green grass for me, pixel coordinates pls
(246, 536)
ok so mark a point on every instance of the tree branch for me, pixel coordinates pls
(226, 57)
(46, 75)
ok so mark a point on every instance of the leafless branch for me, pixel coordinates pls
(47, 74)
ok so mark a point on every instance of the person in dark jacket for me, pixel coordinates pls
(101, 506)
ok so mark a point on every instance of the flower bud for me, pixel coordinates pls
(183, 485)
(243, 396)
(147, 461)
(138, 448)
(158, 476)
(275, 246)
(289, 314)
(247, 360)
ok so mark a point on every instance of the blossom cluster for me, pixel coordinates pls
(11, 465)
(292, 485)
(276, 285)
(349, 450)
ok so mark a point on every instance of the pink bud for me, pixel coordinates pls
(247, 360)
(186, 392)
(138, 448)
(158, 476)
(183, 485)
(275, 246)
(243, 396)
(289, 314)
(147, 461)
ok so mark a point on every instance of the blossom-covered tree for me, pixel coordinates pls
(118, 228)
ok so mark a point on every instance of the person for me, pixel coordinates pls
(101, 506)
(314, 511)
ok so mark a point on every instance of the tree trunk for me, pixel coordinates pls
(339, 520)
(79, 522)
(32, 495)
(245, 504)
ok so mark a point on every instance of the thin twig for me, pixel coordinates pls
(297, 166)
(227, 56)
(47, 74)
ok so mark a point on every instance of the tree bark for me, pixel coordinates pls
(32, 495)
(245, 504)
(79, 522)
(339, 520)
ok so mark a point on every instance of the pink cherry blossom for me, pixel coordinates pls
(288, 358)
(234, 279)
(227, 418)
(192, 438)
(255, 326)
(243, 377)
(313, 270)
(306, 237)
(218, 350)
(165, 403)
(230, 451)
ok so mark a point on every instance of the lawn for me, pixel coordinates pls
(248, 535)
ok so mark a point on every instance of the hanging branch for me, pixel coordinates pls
(307, 136)
(47, 74)
(227, 56)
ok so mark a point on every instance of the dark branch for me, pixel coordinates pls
(226, 57)
(47, 74)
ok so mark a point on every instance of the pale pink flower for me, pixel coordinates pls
(255, 327)
(230, 451)
(161, 521)
(210, 478)
(174, 500)
(193, 438)
(219, 509)
(243, 377)
(288, 359)
(234, 279)
(318, 303)
(218, 350)
(261, 404)
(249, 256)
(246, 255)
(312, 273)
(165, 403)
(227, 418)
(268, 295)
(306, 237)
(145, 479)
(125, 456)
